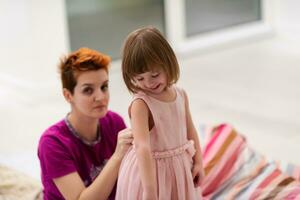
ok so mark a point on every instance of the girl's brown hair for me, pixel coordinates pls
(145, 49)
(84, 59)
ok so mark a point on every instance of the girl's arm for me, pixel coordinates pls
(140, 130)
(197, 171)
(72, 187)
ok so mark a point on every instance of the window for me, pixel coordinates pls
(209, 15)
(103, 25)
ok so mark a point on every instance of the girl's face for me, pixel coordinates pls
(153, 82)
(91, 94)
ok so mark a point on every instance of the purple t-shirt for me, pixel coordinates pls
(61, 153)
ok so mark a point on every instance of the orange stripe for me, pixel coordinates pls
(226, 169)
(219, 154)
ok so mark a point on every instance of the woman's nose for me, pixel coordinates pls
(99, 95)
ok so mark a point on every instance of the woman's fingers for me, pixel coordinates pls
(126, 141)
(125, 133)
(125, 136)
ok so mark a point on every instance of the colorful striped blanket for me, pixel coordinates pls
(235, 171)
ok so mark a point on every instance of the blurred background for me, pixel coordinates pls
(240, 64)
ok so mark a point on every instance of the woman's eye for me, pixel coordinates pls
(140, 79)
(104, 87)
(88, 90)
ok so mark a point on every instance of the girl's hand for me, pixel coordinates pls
(198, 174)
(125, 139)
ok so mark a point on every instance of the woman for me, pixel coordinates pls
(81, 154)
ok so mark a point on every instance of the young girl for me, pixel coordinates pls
(165, 162)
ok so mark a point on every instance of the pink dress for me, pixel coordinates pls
(171, 150)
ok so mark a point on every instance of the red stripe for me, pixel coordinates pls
(223, 172)
(220, 128)
(265, 183)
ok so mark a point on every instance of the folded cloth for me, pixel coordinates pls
(15, 185)
(233, 170)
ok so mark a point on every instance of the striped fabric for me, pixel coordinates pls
(235, 171)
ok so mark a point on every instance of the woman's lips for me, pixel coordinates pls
(100, 107)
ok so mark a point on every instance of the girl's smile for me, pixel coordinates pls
(153, 82)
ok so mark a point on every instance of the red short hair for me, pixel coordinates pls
(83, 59)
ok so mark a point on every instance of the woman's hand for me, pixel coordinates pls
(125, 139)
(198, 174)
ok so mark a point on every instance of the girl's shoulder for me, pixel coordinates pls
(140, 96)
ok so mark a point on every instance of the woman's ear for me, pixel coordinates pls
(68, 95)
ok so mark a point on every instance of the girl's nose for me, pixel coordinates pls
(150, 83)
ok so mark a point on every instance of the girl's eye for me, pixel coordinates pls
(155, 75)
(140, 79)
(104, 87)
(88, 90)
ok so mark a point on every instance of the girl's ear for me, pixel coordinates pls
(68, 95)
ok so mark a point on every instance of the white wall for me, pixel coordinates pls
(32, 37)
(287, 18)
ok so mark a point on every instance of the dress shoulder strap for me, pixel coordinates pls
(180, 92)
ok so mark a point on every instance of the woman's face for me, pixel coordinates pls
(91, 94)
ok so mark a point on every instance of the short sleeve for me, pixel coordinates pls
(117, 122)
(55, 159)
(120, 123)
